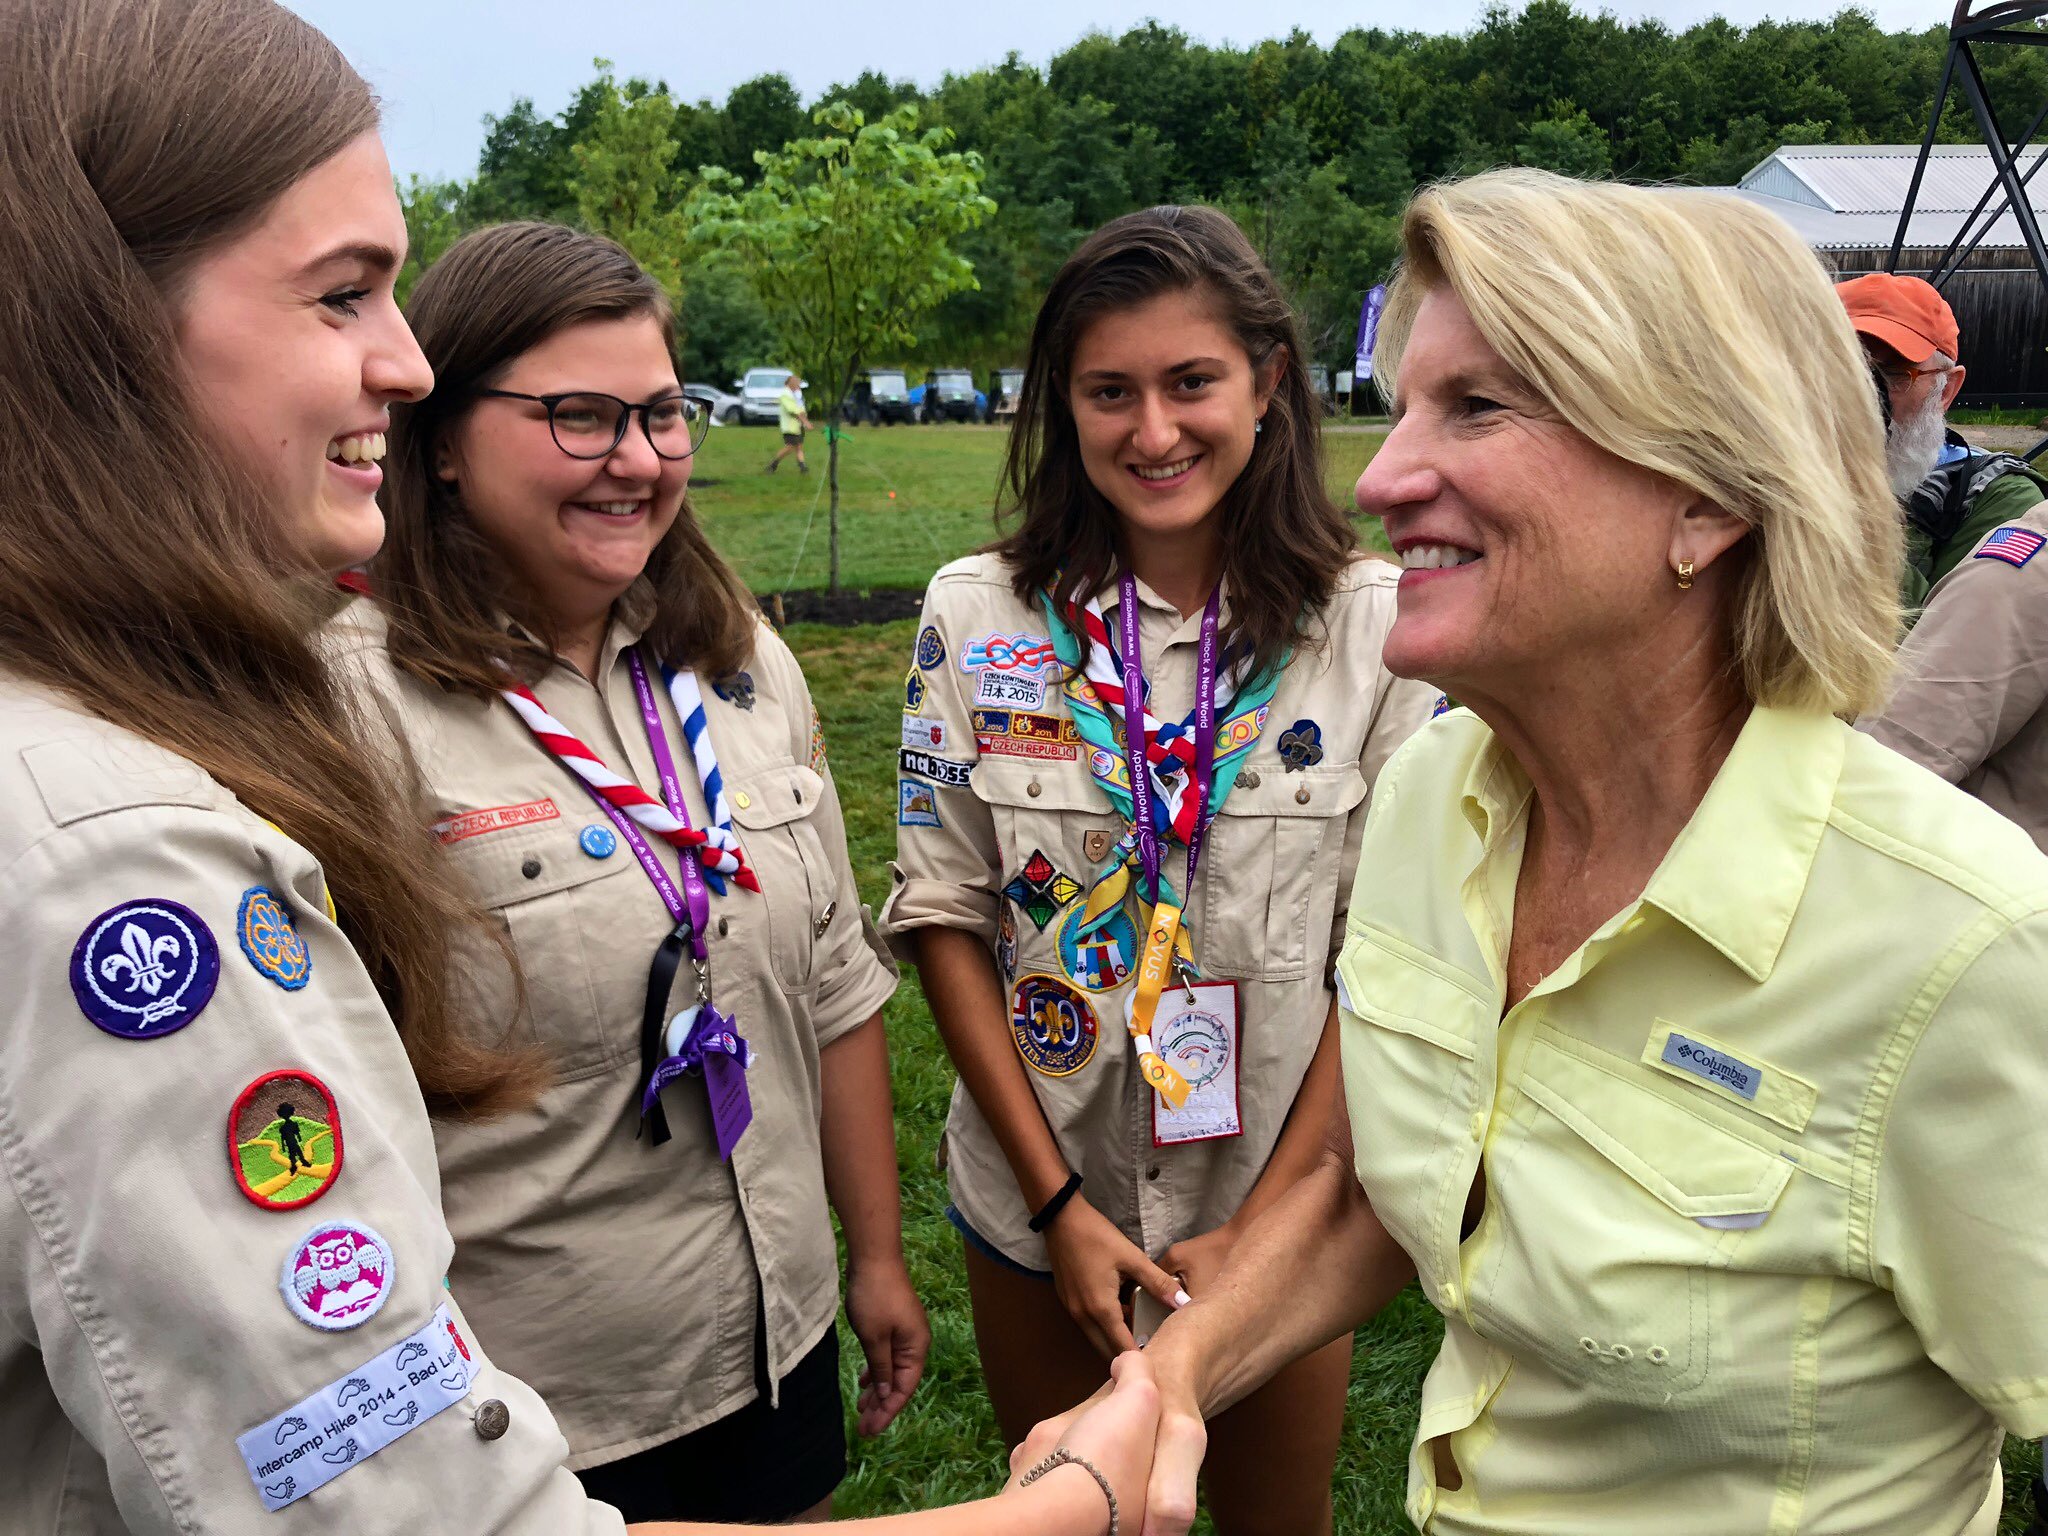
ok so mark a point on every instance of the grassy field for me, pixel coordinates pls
(943, 480)
(944, 1447)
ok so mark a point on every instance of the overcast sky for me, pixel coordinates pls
(440, 65)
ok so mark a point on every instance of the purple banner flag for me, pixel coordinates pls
(1369, 331)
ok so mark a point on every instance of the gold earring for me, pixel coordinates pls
(1685, 575)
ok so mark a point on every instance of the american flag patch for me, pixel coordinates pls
(2015, 546)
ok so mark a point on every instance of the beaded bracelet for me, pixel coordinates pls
(1062, 1457)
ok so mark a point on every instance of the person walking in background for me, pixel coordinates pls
(1953, 494)
(790, 413)
(1139, 737)
(623, 762)
(1692, 1063)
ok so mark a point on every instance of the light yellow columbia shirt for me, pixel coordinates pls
(1762, 1249)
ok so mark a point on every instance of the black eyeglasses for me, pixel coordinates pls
(587, 425)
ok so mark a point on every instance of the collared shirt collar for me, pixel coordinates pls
(1187, 628)
(1738, 869)
(631, 616)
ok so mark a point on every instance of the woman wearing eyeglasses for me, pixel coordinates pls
(624, 762)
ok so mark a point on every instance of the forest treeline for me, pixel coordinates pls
(1312, 148)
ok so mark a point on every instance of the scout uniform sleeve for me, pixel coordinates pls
(1957, 1232)
(231, 1312)
(1975, 668)
(856, 973)
(947, 862)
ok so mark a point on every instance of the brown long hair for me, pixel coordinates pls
(495, 295)
(139, 567)
(1284, 542)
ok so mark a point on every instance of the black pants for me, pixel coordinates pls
(759, 1465)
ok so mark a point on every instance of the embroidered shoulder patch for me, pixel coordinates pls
(2012, 544)
(284, 1140)
(496, 818)
(1102, 960)
(1053, 1025)
(144, 969)
(916, 805)
(339, 1275)
(1040, 890)
(940, 770)
(817, 742)
(914, 690)
(931, 650)
(357, 1414)
(270, 940)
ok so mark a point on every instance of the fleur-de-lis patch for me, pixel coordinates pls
(144, 968)
(1301, 746)
(737, 690)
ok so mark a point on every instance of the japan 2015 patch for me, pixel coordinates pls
(931, 650)
(284, 1140)
(271, 940)
(1053, 1024)
(1009, 670)
(144, 969)
(357, 1414)
(339, 1275)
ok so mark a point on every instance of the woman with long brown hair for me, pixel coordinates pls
(222, 1254)
(1145, 1043)
(623, 761)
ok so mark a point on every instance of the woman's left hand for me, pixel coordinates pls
(890, 1323)
(1199, 1260)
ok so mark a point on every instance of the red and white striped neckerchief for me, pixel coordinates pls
(715, 845)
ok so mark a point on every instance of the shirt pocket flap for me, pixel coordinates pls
(1700, 1169)
(769, 797)
(1394, 990)
(1037, 787)
(497, 865)
(1311, 793)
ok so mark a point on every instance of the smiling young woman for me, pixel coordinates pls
(1135, 1085)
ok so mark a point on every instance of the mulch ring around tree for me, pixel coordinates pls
(843, 609)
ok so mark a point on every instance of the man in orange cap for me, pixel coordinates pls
(1953, 494)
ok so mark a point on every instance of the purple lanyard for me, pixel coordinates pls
(1136, 752)
(689, 908)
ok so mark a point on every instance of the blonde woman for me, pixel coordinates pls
(1693, 1065)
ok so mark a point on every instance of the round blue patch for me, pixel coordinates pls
(144, 969)
(270, 940)
(598, 842)
(1105, 959)
(1053, 1026)
(931, 650)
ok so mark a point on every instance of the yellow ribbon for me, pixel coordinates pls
(1164, 941)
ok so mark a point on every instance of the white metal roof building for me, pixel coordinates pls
(1844, 200)
(1848, 196)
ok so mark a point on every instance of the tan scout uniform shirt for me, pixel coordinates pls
(623, 1277)
(147, 1323)
(1761, 1248)
(1267, 907)
(1973, 677)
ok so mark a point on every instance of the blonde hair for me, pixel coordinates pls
(1690, 332)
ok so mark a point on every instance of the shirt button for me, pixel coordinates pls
(492, 1420)
(1249, 778)
(742, 799)
(1479, 1126)
(530, 869)
(1449, 1295)
(1032, 789)
(1301, 795)
(1151, 1174)
(723, 925)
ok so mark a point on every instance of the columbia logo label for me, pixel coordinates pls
(1712, 1066)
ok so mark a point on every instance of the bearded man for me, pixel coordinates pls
(1953, 494)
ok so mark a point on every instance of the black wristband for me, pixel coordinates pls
(1056, 1204)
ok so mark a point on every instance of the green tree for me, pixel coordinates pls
(1566, 141)
(433, 222)
(847, 238)
(622, 185)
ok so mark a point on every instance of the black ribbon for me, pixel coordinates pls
(661, 980)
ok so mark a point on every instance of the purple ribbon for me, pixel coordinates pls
(714, 1049)
(690, 910)
(1136, 752)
